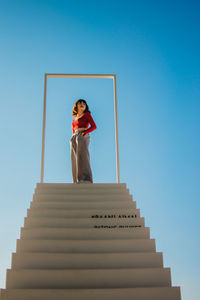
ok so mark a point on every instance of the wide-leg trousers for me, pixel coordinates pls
(80, 157)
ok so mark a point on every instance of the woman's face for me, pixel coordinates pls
(81, 106)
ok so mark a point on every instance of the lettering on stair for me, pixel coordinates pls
(114, 216)
(117, 226)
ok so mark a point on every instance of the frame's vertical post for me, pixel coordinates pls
(43, 128)
(116, 130)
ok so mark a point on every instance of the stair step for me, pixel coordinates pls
(84, 205)
(86, 246)
(100, 186)
(106, 278)
(81, 188)
(82, 197)
(80, 191)
(86, 261)
(80, 213)
(89, 233)
(31, 222)
(152, 293)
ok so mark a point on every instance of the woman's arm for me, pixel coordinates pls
(92, 124)
(73, 128)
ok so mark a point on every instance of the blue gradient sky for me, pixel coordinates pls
(153, 47)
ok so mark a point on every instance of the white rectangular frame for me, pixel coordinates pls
(106, 76)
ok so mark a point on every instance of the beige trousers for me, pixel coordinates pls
(80, 157)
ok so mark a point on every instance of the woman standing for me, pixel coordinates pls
(79, 142)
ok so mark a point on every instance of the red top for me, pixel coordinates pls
(83, 122)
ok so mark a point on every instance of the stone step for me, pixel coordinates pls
(31, 222)
(87, 234)
(82, 197)
(86, 246)
(80, 191)
(80, 213)
(152, 293)
(104, 278)
(72, 186)
(84, 205)
(86, 260)
(81, 188)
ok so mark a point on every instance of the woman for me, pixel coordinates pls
(79, 142)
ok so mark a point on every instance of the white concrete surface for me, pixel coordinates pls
(88, 242)
(157, 293)
(86, 246)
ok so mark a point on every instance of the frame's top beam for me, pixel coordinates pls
(51, 75)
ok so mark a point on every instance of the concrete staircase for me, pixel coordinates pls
(86, 242)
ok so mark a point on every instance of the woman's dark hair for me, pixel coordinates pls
(75, 108)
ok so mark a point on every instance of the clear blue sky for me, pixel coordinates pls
(153, 47)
